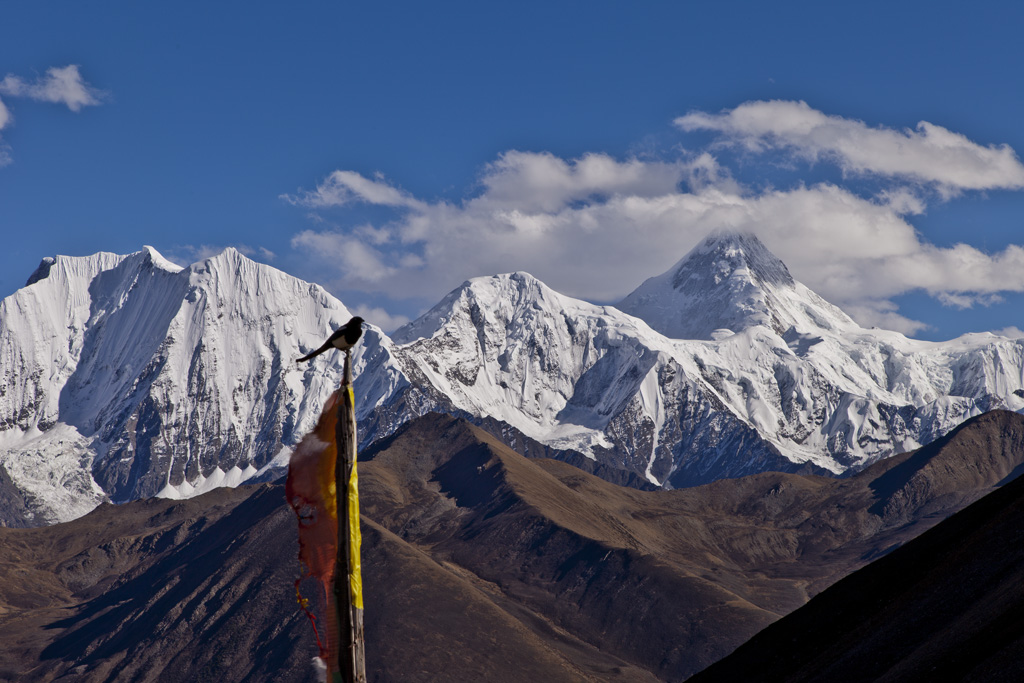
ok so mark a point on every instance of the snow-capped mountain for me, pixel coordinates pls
(128, 376)
(814, 383)
(581, 377)
(772, 376)
(730, 282)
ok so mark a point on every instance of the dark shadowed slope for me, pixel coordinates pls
(479, 565)
(12, 501)
(947, 606)
(156, 590)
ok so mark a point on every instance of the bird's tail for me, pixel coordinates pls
(314, 354)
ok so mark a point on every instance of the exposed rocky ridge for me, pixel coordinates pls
(12, 501)
(477, 562)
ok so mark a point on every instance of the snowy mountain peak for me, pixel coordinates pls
(723, 254)
(503, 297)
(129, 376)
(158, 260)
(73, 268)
(229, 260)
(728, 283)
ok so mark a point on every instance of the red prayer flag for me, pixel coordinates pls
(311, 491)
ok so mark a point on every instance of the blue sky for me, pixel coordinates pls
(391, 150)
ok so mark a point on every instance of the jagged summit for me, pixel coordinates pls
(728, 283)
(157, 259)
(495, 299)
(728, 251)
(510, 347)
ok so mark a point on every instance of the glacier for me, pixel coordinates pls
(127, 376)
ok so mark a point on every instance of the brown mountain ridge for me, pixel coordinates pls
(948, 605)
(479, 565)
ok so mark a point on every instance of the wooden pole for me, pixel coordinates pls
(348, 576)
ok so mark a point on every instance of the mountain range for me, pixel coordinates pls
(127, 376)
(482, 565)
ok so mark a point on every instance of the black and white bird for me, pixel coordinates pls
(343, 339)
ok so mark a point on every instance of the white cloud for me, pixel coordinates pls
(5, 150)
(882, 314)
(1012, 332)
(929, 154)
(532, 182)
(962, 301)
(61, 85)
(596, 227)
(361, 264)
(903, 201)
(345, 187)
(379, 317)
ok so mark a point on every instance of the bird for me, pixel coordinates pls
(343, 339)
